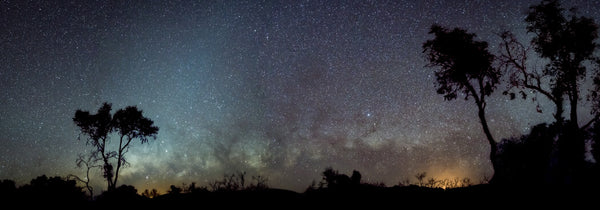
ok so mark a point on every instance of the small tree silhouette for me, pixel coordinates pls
(432, 182)
(259, 183)
(356, 177)
(237, 181)
(129, 123)
(335, 180)
(420, 177)
(150, 193)
(174, 190)
(89, 163)
(97, 127)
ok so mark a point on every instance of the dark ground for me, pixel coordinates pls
(477, 196)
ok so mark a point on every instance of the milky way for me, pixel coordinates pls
(276, 89)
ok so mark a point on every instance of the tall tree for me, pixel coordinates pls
(129, 123)
(464, 67)
(568, 42)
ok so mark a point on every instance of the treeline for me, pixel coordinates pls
(42, 189)
(67, 189)
(238, 189)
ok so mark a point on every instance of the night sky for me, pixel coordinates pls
(278, 89)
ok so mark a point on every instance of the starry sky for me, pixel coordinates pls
(278, 89)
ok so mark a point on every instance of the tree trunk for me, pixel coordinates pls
(108, 174)
(490, 138)
(107, 168)
(119, 157)
(559, 112)
(573, 115)
(480, 101)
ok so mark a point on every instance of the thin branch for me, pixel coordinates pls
(590, 122)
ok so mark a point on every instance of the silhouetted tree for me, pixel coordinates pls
(174, 190)
(129, 123)
(465, 67)
(8, 189)
(335, 180)
(527, 160)
(97, 127)
(420, 177)
(53, 189)
(356, 177)
(259, 183)
(150, 193)
(313, 187)
(237, 181)
(192, 188)
(432, 183)
(567, 42)
(89, 162)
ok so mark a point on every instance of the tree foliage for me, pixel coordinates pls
(465, 65)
